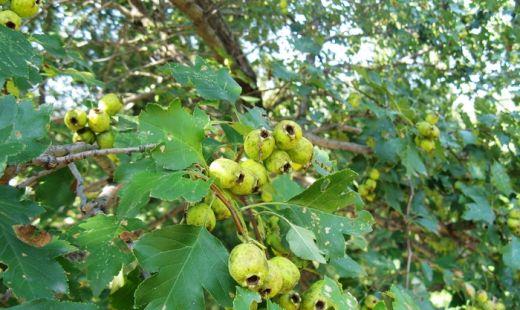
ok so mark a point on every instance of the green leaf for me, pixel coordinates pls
(285, 188)
(162, 185)
(402, 300)
(480, 210)
(185, 260)
(55, 305)
(254, 118)
(25, 263)
(178, 131)
(302, 243)
(16, 54)
(244, 298)
(51, 43)
(321, 161)
(273, 306)
(83, 76)
(330, 229)
(20, 142)
(328, 193)
(412, 161)
(99, 236)
(336, 297)
(210, 83)
(511, 254)
(500, 179)
(346, 267)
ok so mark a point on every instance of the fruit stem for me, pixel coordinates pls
(241, 229)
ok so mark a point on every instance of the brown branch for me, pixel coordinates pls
(338, 145)
(80, 189)
(32, 179)
(345, 128)
(106, 199)
(234, 215)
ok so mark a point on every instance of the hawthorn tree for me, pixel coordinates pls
(348, 154)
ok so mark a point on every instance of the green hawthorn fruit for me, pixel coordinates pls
(370, 301)
(290, 301)
(10, 19)
(75, 119)
(248, 266)
(514, 214)
(98, 120)
(218, 207)
(500, 306)
(302, 152)
(273, 282)
(278, 162)
(370, 197)
(111, 104)
(374, 174)
(105, 140)
(313, 298)
(289, 271)
(427, 145)
(424, 129)
(225, 171)
(25, 8)
(84, 135)
(267, 192)
(246, 183)
(201, 215)
(11, 88)
(432, 118)
(287, 134)
(257, 169)
(481, 297)
(259, 144)
(363, 190)
(435, 132)
(370, 184)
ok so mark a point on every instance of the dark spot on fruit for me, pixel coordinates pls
(286, 167)
(295, 298)
(265, 292)
(240, 178)
(319, 305)
(252, 280)
(290, 130)
(74, 120)
(37, 1)
(10, 25)
(97, 110)
(264, 134)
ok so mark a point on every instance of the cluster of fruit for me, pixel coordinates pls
(428, 133)
(513, 222)
(18, 9)
(278, 152)
(482, 302)
(366, 190)
(275, 277)
(97, 120)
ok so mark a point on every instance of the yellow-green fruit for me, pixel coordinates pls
(246, 183)
(12, 89)
(259, 144)
(313, 298)
(514, 214)
(370, 301)
(273, 283)
(370, 197)
(481, 297)
(75, 119)
(296, 166)
(111, 104)
(98, 120)
(424, 128)
(278, 162)
(374, 174)
(201, 215)
(267, 193)
(302, 152)
(500, 306)
(105, 140)
(371, 184)
(257, 169)
(427, 145)
(287, 134)
(218, 207)
(432, 118)
(225, 171)
(514, 225)
(84, 135)
(289, 271)
(435, 132)
(363, 190)
(10, 19)
(25, 8)
(290, 301)
(248, 266)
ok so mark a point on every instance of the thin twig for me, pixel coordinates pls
(409, 235)
(80, 189)
(236, 219)
(30, 180)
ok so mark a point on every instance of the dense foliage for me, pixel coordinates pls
(116, 118)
